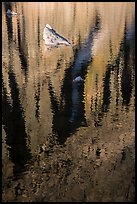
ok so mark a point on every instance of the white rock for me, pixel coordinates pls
(9, 12)
(48, 26)
(78, 79)
(51, 37)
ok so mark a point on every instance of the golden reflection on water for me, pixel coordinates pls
(29, 69)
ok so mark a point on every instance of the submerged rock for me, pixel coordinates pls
(51, 37)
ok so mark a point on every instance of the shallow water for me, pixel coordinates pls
(43, 109)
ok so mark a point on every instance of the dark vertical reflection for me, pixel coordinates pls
(13, 121)
(60, 117)
(106, 92)
(74, 17)
(123, 58)
(38, 30)
(9, 21)
(116, 70)
(22, 45)
(37, 98)
(7, 5)
(99, 111)
(126, 81)
(69, 114)
(14, 126)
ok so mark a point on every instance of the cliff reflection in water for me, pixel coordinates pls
(40, 102)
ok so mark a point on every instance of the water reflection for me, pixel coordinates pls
(14, 127)
(41, 105)
(13, 120)
(126, 77)
(71, 115)
(22, 46)
(118, 68)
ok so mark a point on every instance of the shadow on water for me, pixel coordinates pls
(69, 114)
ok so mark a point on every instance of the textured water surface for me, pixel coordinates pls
(62, 139)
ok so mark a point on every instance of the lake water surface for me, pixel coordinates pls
(66, 141)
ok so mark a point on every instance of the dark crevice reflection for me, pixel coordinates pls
(102, 109)
(97, 113)
(58, 66)
(38, 30)
(60, 122)
(106, 92)
(8, 21)
(116, 71)
(22, 46)
(126, 80)
(13, 120)
(14, 126)
(69, 114)
(37, 99)
(106, 86)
